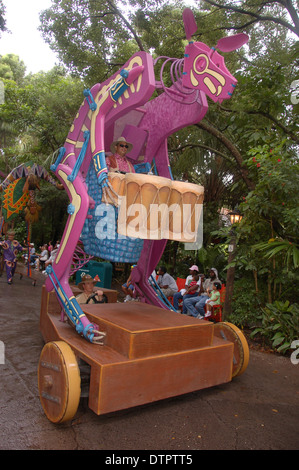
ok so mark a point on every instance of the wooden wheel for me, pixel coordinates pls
(231, 333)
(59, 381)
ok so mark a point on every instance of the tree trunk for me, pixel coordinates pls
(230, 278)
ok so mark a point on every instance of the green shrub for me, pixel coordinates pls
(245, 303)
(279, 325)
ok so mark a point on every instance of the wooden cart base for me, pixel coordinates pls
(150, 353)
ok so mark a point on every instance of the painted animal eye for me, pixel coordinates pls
(201, 63)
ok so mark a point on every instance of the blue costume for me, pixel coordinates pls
(10, 251)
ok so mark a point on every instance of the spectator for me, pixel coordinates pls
(40, 262)
(166, 282)
(52, 256)
(214, 298)
(152, 278)
(186, 292)
(195, 305)
(32, 254)
(128, 287)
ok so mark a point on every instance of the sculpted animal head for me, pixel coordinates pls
(204, 67)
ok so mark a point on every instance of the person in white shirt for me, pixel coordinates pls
(42, 258)
(195, 305)
(183, 294)
(33, 256)
(52, 256)
(166, 282)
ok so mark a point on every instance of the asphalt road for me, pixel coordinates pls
(257, 411)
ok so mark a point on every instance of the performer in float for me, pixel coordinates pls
(87, 286)
(10, 251)
(118, 161)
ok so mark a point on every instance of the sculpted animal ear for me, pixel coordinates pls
(231, 43)
(189, 23)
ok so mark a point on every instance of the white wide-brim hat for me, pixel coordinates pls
(120, 140)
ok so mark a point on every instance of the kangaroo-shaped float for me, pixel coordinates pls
(100, 213)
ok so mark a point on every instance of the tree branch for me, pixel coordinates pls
(232, 149)
(270, 117)
(288, 5)
(202, 146)
(128, 25)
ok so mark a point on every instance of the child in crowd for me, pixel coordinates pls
(193, 285)
(214, 298)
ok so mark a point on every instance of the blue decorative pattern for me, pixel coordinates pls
(99, 234)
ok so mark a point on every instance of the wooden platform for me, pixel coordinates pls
(150, 353)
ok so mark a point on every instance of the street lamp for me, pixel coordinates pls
(235, 218)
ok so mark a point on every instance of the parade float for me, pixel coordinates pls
(19, 197)
(135, 352)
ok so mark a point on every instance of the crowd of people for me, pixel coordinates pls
(198, 296)
(46, 256)
(10, 247)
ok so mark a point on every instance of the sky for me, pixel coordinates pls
(22, 19)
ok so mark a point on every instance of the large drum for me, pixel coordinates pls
(153, 207)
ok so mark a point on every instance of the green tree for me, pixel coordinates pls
(248, 13)
(2, 17)
(269, 228)
(39, 114)
(12, 68)
(93, 38)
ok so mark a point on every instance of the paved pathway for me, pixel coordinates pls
(258, 410)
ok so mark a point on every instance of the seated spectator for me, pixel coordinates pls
(128, 287)
(195, 305)
(32, 254)
(152, 278)
(52, 257)
(166, 282)
(214, 298)
(42, 258)
(188, 290)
